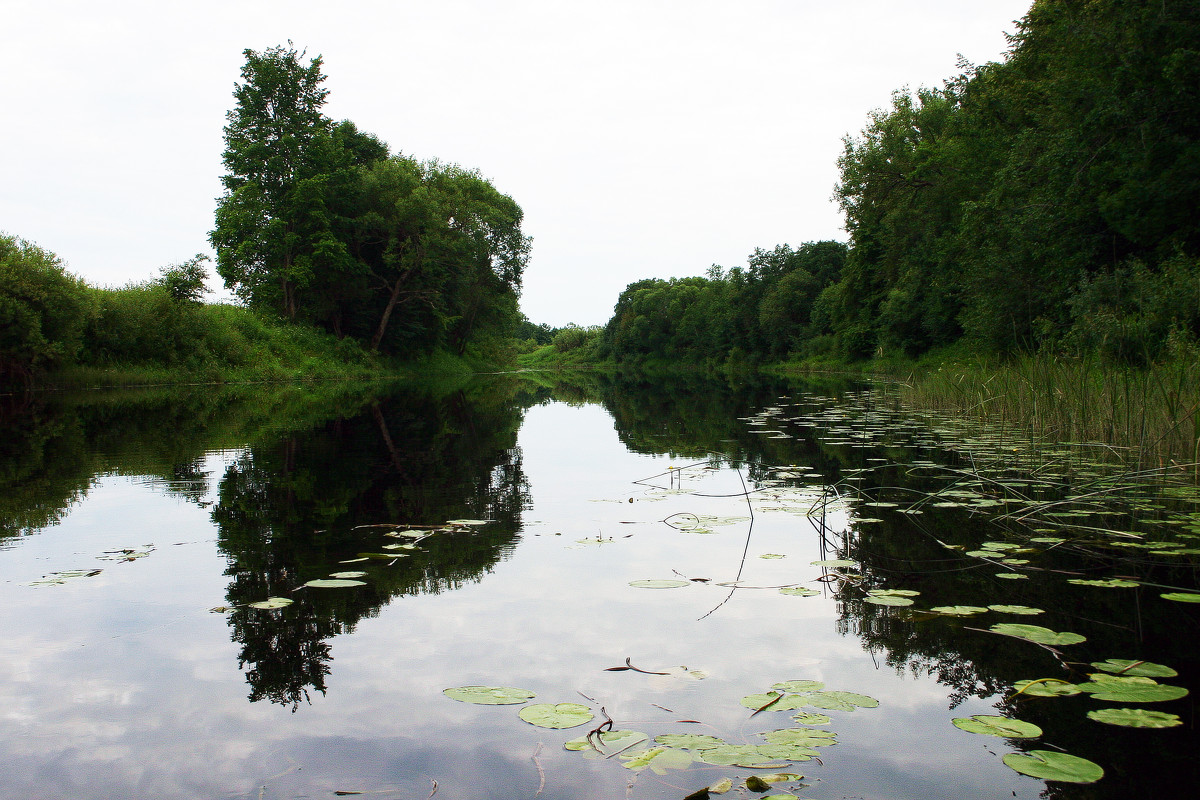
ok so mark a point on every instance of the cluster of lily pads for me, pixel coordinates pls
(778, 749)
(122, 554)
(344, 579)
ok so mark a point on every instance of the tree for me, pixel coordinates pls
(43, 310)
(269, 154)
(185, 282)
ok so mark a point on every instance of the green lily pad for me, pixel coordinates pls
(1036, 633)
(893, 592)
(334, 583)
(735, 755)
(556, 715)
(658, 759)
(772, 555)
(1053, 766)
(888, 600)
(660, 583)
(808, 718)
(1135, 718)
(489, 695)
(347, 574)
(1012, 576)
(1146, 669)
(1134, 689)
(1046, 687)
(786, 702)
(1108, 583)
(799, 591)
(840, 701)
(804, 737)
(959, 611)
(721, 787)
(989, 725)
(1029, 610)
(1181, 597)
(791, 752)
(272, 602)
(799, 686)
(611, 740)
(834, 562)
(689, 741)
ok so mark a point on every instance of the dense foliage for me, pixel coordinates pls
(321, 225)
(1044, 203)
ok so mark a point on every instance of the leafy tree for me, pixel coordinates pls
(185, 282)
(269, 153)
(43, 310)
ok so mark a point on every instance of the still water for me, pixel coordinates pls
(514, 534)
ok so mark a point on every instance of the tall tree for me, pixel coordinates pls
(269, 154)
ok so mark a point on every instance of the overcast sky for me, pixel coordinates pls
(642, 139)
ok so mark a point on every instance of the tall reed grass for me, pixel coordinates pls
(1151, 415)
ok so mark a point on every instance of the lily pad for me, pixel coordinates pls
(735, 755)
(1028, 610)
(1108, 583)
(1038, 634)
(658, 759)
(799, 591)
(804, 737)
(1135, 717)
(989, 725)
(888, 600)
(1181, 597)
(660, 583)
(840, 701)
(1046, 687)
(959, 611)
(556, 715)
(272, 602)
(893, 592)
(808, 718)
(334, 583)
(799, 686)
(835, 562)
(1133, 689)
(354, 574)
(772, 555)
(782, 702)
(1053, 766)
(1012, 576)
(689, 741)
(489, 695)
(612, 740)
(1146, 669)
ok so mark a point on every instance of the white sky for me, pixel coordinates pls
(645, 138)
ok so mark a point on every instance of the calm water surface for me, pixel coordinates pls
(138, 532)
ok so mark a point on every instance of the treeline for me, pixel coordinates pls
(1046, 203)
(338, 250)
(156, 330)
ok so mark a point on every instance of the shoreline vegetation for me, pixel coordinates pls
(1022, 247)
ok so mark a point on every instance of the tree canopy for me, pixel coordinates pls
(319, 223)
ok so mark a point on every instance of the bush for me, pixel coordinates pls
(42, 310)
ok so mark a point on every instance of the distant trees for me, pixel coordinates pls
(1047, 202)
(320, 224)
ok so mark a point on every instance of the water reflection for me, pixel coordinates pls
(308, 478)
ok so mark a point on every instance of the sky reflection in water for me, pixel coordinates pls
(126, 685)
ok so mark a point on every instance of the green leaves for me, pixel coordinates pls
(334, 583)
(660, 583)
(1134, 689)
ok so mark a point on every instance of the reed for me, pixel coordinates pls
(1151, 415)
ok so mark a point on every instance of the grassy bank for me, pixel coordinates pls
(1148, 414)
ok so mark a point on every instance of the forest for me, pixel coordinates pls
(1046, 203)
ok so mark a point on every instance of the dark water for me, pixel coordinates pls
(127, 520)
